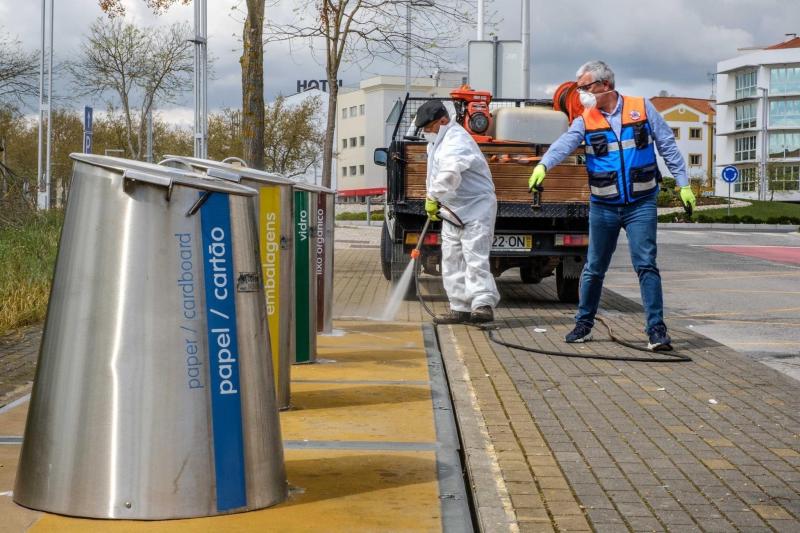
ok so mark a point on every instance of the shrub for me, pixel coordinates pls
(664, 199)
(668, 183)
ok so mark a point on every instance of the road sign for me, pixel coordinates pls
(87, 143)
(730, 174)
(88, 112)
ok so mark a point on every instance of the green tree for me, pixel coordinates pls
(292, 138)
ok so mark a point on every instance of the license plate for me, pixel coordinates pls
(512, 242)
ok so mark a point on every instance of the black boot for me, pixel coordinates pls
(481, 314)
(452, 317)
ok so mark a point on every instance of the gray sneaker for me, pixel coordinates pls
(452, 317)
(481, 314)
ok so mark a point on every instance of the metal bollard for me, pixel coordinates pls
(153, 398)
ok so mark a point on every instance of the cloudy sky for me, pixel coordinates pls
(667, 45)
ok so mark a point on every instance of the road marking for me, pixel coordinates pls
(759, 311)
(744, 245)
(763, 343)
(734, 321)
(681, 276)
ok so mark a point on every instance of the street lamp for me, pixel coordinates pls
(409, 3)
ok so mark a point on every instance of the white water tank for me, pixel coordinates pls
(538, 125)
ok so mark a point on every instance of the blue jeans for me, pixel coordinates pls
(640, 223)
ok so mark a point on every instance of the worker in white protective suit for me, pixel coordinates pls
(459, 178)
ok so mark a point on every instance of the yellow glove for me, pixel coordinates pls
(687, 196)
(537, 177)
(432, 207)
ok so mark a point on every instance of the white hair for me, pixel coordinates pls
(599, 71)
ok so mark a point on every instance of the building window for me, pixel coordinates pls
(695, 133)
(353, 111)
(695, 160)
(344, 144)
(784, 178)
(352, 170)
(361, 109)
(352, 142)
(361, 170)
(784, 80)
(785, 113)
(344, 171)
(344, 112)
(676, 132)
(782, 145)
(746, 84)
(747, 182)
(745, 116)
(745, 148)
(361, 140)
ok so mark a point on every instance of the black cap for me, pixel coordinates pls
(430, 111)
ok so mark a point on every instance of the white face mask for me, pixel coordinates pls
(588, 100)
(430, 136)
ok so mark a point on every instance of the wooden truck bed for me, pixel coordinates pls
(511, 166)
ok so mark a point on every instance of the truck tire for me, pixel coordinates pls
(386, 252)
(566, 288)
(527, 274)
(398, 267)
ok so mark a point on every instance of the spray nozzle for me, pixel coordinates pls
(415, 254)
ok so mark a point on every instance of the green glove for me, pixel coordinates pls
(432, 207)
(537, 177)
(687, 196)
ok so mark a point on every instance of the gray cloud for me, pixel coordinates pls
(652, 45)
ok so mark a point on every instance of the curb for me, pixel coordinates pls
(755, 228)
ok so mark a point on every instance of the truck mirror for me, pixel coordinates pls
(380, 157)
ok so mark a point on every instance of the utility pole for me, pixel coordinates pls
(481, 10)
(200, 79)
(45, 108)
(526, 48)
(408, 47)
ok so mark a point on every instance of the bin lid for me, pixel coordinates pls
(303, 186)
(162, 176)
(228, 171)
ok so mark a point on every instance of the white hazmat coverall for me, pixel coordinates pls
(459, 178)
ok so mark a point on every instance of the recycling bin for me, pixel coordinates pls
(153, 396)
(273, 206)
(305, 225)
(323, 260)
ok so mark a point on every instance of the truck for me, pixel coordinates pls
(541, 234)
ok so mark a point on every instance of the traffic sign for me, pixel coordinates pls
(730, 174)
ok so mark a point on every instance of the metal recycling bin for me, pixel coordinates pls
(152, 399)
(273, 206)
(305, 301)
(323, 258)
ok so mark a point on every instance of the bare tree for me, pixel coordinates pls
(136, 66)
(252, 62)
(292, 137)
(362, 30)
(19, 70)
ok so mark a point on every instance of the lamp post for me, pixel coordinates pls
(409, 4)
(200, 79)
(43, 175)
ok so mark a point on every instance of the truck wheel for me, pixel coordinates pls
(527, 274)
(399, 264)
(386, 252)
(566, 288)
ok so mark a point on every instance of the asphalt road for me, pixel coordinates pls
(739, 288)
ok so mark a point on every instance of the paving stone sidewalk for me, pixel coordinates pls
(564, 444)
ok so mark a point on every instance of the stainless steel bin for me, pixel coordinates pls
(275, 222)
(153, 397)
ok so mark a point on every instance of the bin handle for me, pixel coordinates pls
(236, 159)
(175, 160)
(130, 176)
(199, 203)
(223, 174)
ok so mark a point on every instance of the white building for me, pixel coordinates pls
(362, 124)
(758, 115)
(692, 122)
